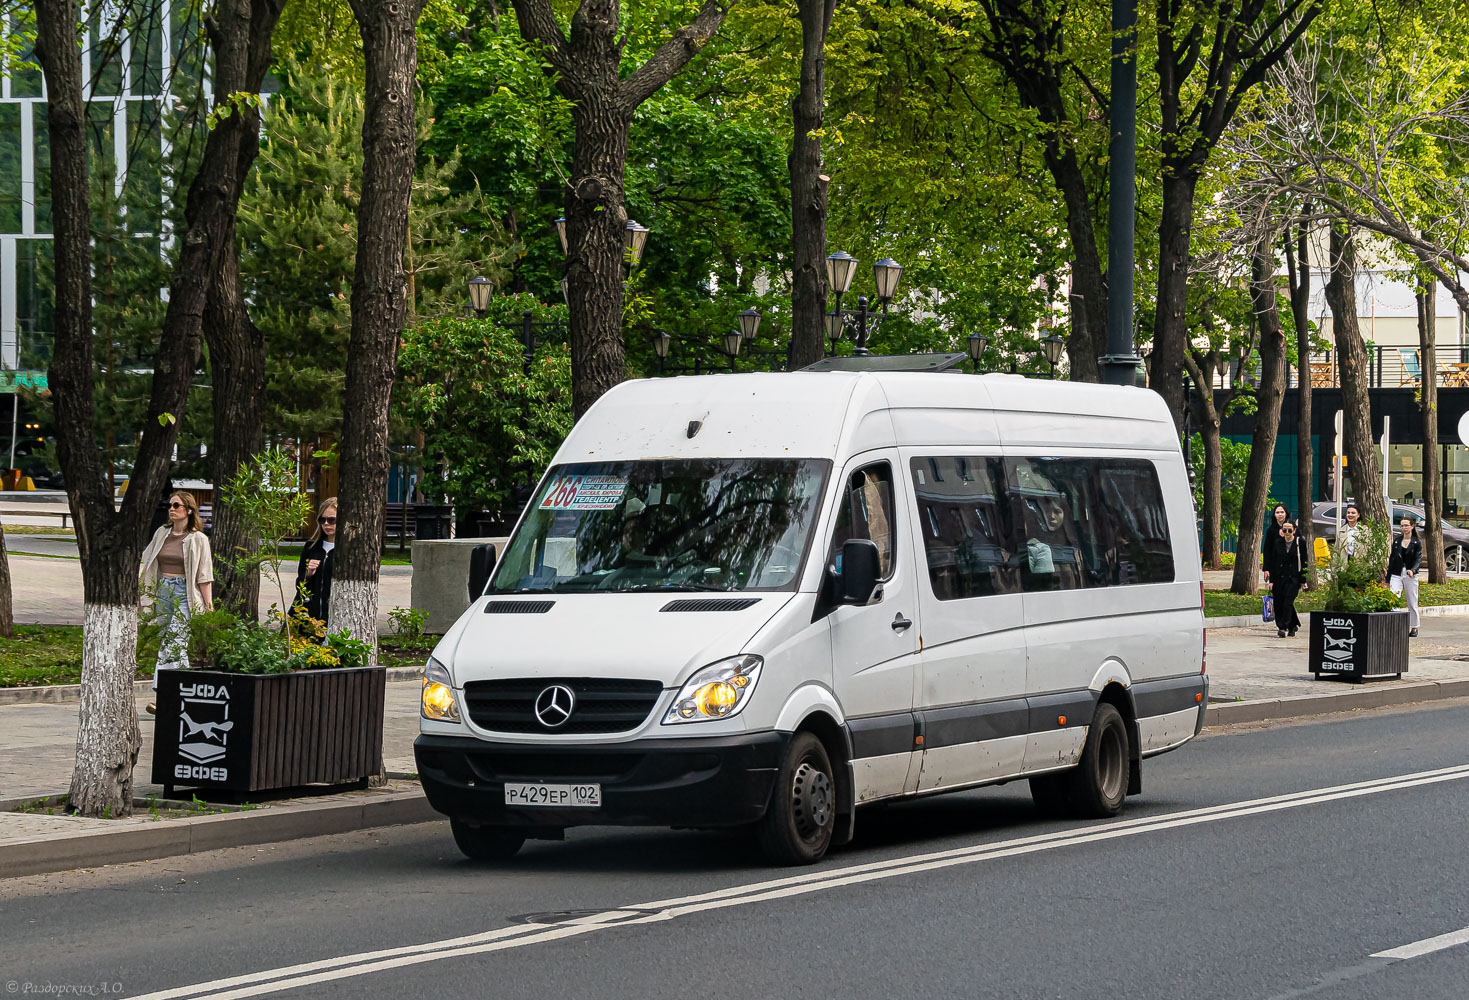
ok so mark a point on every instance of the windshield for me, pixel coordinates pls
(685, 524)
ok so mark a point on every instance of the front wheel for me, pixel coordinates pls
(486, 843)
(1098, 786)
(797, 828)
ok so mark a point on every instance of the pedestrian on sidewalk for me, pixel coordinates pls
(1402, 569)
(1278, 517)
(1351, 519)
(314, 572)
(178, 569)
(1285, 567)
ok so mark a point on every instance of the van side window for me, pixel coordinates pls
(1089, 522)
(965, 521)
(866, 511)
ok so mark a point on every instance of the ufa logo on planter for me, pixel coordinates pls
(204, 728)
(1338, 639)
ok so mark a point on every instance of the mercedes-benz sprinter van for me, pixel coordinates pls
(768, 600)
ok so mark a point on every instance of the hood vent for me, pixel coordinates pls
(518, 607)
(718, 604)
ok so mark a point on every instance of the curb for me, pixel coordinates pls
(1298, 706)
(171, 838)
(1242, 621)
(57, 694)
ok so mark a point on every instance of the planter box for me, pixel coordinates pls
(1358, 647)
(250, 732)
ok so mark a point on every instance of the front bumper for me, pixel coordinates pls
(708, 782)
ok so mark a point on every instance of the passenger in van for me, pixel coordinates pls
(1053, 548)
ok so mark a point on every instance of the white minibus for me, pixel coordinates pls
(768, 600)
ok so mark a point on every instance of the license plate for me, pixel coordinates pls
(523, 793)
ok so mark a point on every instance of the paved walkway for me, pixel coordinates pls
(38, 742)
(48, 591)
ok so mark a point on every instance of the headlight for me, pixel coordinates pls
(716, 692)
(439, 702)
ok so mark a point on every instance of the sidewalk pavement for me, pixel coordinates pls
(1254, 676)
(48, 591)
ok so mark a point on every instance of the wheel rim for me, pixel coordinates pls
(811, 799)
(1111, 762)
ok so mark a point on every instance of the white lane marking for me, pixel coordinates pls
(1427, 946)
(325, 970)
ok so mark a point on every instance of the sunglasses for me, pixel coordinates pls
(177, 506)
(327, 520)
(1287, 531)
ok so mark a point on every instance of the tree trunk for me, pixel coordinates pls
(1086, 341)
(1298, 266)
(596, 224)
(1213, 492)
(110, 541)
(1357, 444)
(379, 307)
(1170, 324)
(808, 190)
(237, 347)
(7, 607)
(1269, 401)
(1433, 551)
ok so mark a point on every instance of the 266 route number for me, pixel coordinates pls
(587, 796)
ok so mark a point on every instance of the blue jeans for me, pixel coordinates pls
(173, 606)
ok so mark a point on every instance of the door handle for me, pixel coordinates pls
(901, 624)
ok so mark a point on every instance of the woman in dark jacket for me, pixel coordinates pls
(314, 573)
(1277, 517)
(1402, 569)
(1287, 568)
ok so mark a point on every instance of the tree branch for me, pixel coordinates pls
(671, 56)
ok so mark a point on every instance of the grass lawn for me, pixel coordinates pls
(39, 529)
(1221, 603)
(52, 654)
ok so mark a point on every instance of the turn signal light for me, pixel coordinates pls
(1060, 720)
(1198, 698)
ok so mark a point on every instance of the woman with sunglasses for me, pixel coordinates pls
(1286, 570)
(314, 572)
(178, 569)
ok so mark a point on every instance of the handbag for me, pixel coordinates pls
(1267, 608)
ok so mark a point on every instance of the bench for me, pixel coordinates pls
(63, 514)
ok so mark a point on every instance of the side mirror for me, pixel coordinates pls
(861, 567)
(481, 563)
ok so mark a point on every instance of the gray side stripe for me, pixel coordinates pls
(994, 720)
(1165, 697)
(1077, 706)
(881, 735)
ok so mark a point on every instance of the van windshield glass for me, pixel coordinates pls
(668, 525)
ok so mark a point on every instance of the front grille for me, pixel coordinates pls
(601, 705)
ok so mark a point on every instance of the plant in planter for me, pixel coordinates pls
(1358, 634)
(274, 705)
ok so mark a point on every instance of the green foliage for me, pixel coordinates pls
(1354, 583)
(1235, 464)
(491, 420)
(266, 497)
(408, 623)
(298, 228)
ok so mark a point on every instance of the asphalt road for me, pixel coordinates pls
(1322, 859)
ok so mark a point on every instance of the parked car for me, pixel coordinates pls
(1455, 540)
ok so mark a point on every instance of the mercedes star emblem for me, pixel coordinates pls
(554, 704)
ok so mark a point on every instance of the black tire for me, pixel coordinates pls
(1099, 785)
(1051, 794)
(486, 843)
(797, 828)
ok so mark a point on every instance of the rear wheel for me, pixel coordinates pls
(1097, 787)
(486, 843)
(797, 828)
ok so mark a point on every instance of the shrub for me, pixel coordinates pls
(408, 623)
(1353, 584)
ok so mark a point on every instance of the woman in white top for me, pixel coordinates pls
(178, 570)
(1349, 528)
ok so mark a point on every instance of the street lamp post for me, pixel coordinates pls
(634, 239)
(1053, 345)
(840, 269)
(661, 343)
(1119, 364)
(480, 290)
(732, 341)
(978, 344)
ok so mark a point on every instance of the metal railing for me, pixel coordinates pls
(1387, 368)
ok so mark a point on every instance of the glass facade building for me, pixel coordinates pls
(131, 61)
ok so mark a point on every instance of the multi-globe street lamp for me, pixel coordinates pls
(841, 268)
